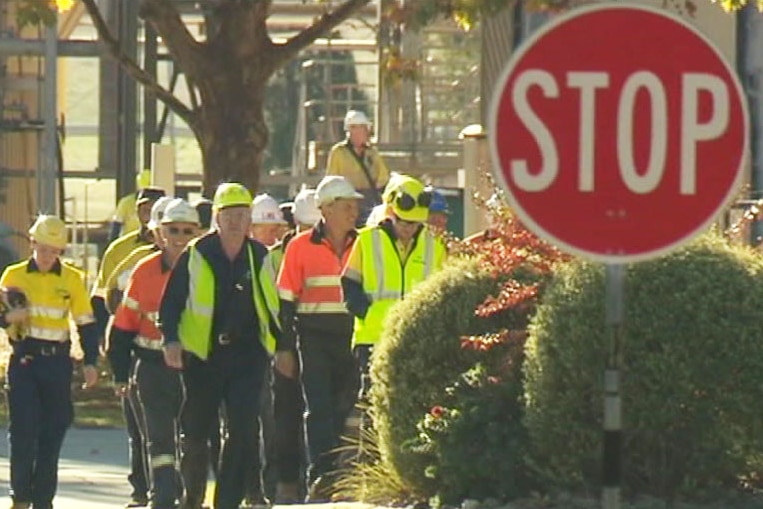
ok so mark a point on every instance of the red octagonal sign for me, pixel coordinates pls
(619, 131)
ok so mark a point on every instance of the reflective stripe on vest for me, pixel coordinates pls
(148, 343)
(386, 280)
(195, 327)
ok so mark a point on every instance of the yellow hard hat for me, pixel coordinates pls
(143, 179)
(408, 198)
(231, 194)
(49, 230)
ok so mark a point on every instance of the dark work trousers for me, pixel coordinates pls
(363, 356)
(138, 476)
(262, 479)
(288, 410)
(160, 393)
(329, 381)
(231, 377)
(40, 404)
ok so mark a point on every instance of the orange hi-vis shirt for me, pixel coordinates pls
(139, 309)
(311, 272)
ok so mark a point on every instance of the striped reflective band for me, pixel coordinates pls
(428, 254)
(48, 312)
(321, 307)
(84, 319)
(49, 333)
(378, 255)
(286, 295)
(322, 281)
(130, 303)
(148, 343)
(162, 460)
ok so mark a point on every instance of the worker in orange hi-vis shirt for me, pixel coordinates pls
(135, 351)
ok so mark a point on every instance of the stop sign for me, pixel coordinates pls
(618, 132)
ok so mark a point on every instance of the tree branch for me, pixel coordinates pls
(322, 26)
(184, 48)
(134, 70)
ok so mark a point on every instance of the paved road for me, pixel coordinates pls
(93, 472)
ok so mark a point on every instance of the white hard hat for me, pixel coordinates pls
(265, 210)
(334, 187)
(305, 211)
(157, 211)
(355, 117)
(180, 211)
(377, 215)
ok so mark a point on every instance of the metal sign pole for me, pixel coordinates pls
(612, 455)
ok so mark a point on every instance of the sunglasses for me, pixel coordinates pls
(174, 230)
(406, 202)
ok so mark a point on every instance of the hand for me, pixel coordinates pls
(286, 363)
(120, 389)
(173, 355)
(91, 376)
(16, 315)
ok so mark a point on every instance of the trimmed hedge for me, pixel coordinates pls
(420, 355)
(692, 376)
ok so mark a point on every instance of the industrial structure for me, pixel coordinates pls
(439, 81)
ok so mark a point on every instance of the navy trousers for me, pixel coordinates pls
(41, 411)
(232, 378)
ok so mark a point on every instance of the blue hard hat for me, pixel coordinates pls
(438, 203)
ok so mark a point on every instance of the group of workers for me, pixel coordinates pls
(233, 336)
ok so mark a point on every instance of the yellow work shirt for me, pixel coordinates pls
(126, 214)
(117, 251)
(343, 161)
(117, 280)
(53, 297)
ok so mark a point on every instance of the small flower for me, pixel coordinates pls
(437, 411)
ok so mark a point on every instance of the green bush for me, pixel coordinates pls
(692, 373)
(477, 441)
(420, 356)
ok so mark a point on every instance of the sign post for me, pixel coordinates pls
(618, 133)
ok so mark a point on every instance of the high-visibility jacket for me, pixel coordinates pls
(126, 214)
(117, 251)
(52, 298)
(311, 271)
(387, 275)
(139, 309)
(195, 327)
(117, 281)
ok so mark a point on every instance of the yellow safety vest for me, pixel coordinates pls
(386, 280)
(195, 327)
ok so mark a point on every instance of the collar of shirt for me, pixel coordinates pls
(404, 249)
(318, 234)
(32, 267)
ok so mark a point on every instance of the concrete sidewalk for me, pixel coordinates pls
(92, 471)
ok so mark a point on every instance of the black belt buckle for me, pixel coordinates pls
(224, 339)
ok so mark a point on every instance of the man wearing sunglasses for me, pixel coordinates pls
(219, 320)
(134, 337)
(387, 261)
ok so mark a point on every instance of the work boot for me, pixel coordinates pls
(287, 493)
(137, 502)
(21, 505)
(256, 501)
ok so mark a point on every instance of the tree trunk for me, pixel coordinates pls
(233, 137)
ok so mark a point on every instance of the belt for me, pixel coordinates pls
(147, 354)
(226, 339)
(41, 347)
